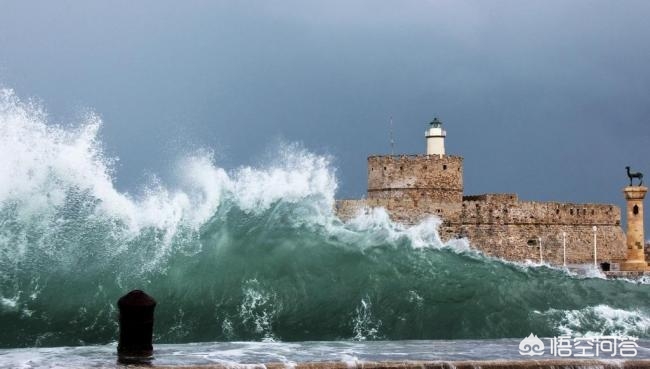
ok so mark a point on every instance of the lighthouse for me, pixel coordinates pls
(435, 138)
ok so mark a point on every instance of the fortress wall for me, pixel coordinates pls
(418, 195)
(519, 241)
(411, 210)
(529, 212)
(347, 209)
(510, 229)
(405, 210)
(439, 177)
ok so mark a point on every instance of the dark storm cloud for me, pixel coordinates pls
(548, 99)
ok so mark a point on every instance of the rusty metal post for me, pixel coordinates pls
(136, 326)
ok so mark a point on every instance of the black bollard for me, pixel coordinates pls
(136, 327)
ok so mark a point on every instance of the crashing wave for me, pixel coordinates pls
(253, 253)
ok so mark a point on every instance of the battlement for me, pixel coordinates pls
(505, 198)
(434, 177)
(543, 213)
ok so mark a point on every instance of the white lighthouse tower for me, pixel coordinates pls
(435, 138)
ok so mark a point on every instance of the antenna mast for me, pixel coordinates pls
(392, 139)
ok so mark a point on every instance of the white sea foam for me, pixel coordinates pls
(365, 326)
(42, 163)
(375, 225)
(259, 308)
(8, 304)
(41, 160)
(600, 320)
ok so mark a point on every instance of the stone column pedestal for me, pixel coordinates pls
(636, 261)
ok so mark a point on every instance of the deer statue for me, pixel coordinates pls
(638, 175)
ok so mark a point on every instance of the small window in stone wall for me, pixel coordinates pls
(571, 211)
(532, 242)
(635, 210)
(557, 211)
(444, 167)
(401, 168)
(384, 168)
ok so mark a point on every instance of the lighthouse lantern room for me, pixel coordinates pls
(435, 138)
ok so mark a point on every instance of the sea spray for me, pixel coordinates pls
(253, 253)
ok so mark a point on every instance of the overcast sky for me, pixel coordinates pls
(548, 99)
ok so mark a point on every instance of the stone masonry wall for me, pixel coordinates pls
(439, 178)
(510, 229)
(530, 212)
(520, 241)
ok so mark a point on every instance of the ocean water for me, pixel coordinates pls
(251, 254)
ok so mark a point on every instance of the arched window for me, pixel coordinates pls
(635, 209)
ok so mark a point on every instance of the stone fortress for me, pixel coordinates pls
(413, 187)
